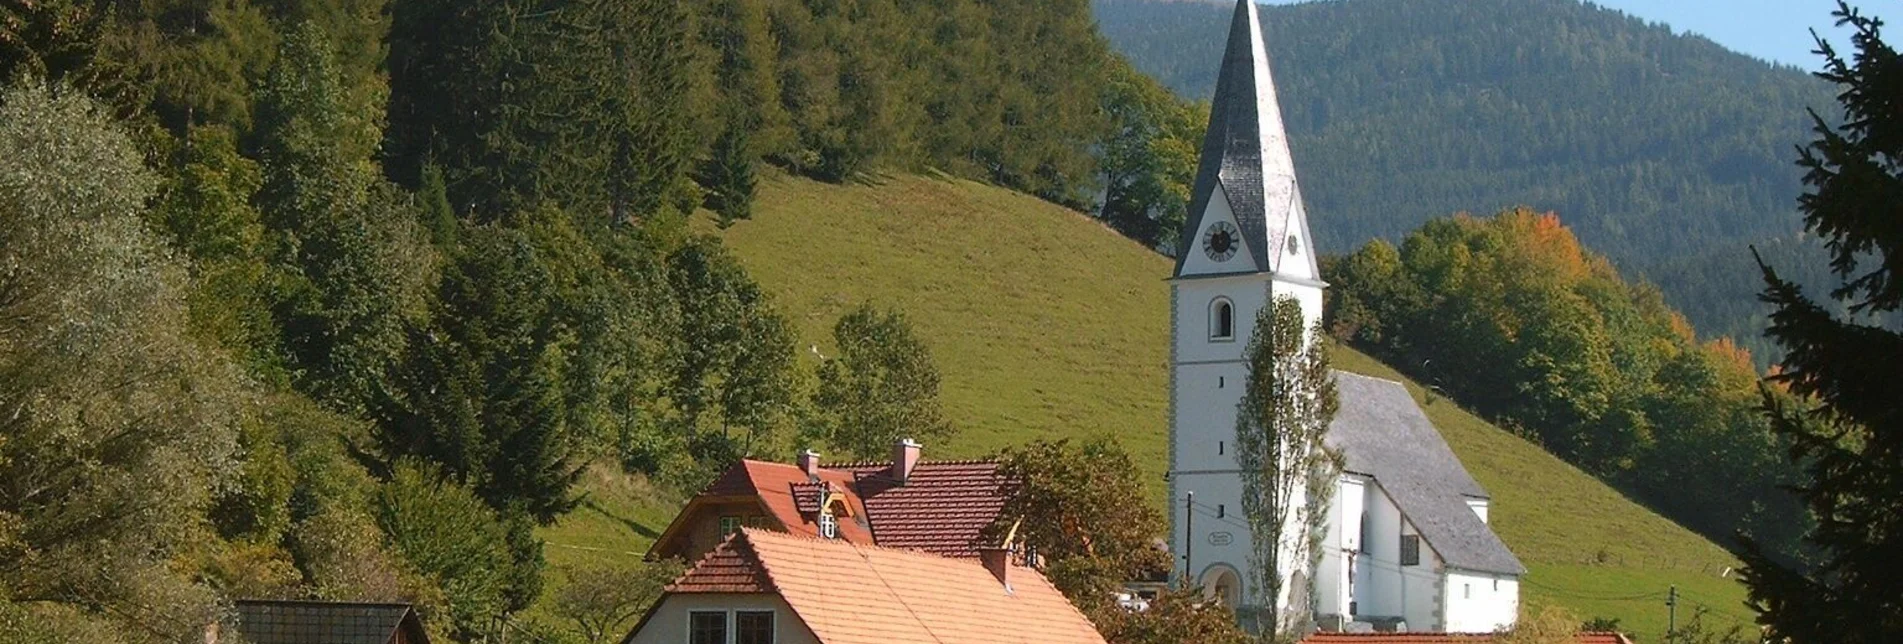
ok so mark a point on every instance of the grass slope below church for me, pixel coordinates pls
(1046, 324)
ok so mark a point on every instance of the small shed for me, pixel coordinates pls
(315, 622)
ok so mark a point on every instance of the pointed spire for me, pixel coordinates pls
(1245, 152)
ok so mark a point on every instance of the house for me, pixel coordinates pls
(314, 622)
(1445, 638)
(941, 507)
(770, 587)
(1408, 543)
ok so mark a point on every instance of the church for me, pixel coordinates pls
(1408, 545)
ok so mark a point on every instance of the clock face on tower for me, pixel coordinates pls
(1221, 241)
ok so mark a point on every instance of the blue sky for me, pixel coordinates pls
(1775, 30)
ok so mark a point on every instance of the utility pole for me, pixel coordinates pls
(1671, 612)
(1189, 537)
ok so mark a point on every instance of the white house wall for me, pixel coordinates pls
(668, 625)
(1481, 602)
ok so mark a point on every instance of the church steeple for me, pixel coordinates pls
(1246, 158)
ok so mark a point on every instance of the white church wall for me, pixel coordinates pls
(1421, 589)
(1247, 294)
(1480, 602)
(1378, 589)
(1335, 577)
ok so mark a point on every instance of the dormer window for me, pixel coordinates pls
(1222, 320)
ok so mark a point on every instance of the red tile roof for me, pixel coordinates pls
(1442, 638)
(850, 593)
(943, 507)
(779, 488)
(730, 568)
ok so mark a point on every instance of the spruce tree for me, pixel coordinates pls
(729, 179)
(1849, 431)
(351, 265)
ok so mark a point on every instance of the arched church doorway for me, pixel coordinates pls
(1224, 584)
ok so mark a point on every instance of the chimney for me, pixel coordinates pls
(997, 559)
(809, 463)
(904, 458)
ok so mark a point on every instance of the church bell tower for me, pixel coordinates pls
(1245, 240)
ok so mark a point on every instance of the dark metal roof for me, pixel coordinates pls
(1384, 434)
(1245, 152)
(300, 622)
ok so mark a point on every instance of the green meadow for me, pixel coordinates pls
(1046, 324)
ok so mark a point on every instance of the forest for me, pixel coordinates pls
(1511, 317)
(1667, 152)
(335, 299)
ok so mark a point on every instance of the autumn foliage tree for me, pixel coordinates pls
(1510, 316)
(1076, 505)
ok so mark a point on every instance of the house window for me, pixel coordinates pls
(1496, 585)
(753, 627)
(1222, 320)
(1410, 550)
(828, 526)
(1219, 510)
(707, 627)
(1221, 446)
(1466, 591)
(729, 525)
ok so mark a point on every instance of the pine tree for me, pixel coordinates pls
(352, 266)
(525, 102)
(729, 176)
(1849, 431)
(480, 388)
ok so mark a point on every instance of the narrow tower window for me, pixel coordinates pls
(1222, 320)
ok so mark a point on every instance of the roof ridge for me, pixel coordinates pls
(1363, 376)
(913, 552)
(322, 602)
(953, 461)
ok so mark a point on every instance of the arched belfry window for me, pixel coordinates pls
(1222, 320)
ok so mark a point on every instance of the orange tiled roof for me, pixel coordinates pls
(1441, 638)
(941, 509)
(849, 593)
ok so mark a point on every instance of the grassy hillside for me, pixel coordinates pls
(1046, 324)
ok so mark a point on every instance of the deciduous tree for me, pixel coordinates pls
(1288, 473)
(881, 387)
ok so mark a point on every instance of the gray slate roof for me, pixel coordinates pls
(1384, 434)
(1245, 152)
(298, 622)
